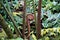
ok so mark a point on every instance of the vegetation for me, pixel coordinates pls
(14, 22)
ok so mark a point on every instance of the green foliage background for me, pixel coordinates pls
(50, 12)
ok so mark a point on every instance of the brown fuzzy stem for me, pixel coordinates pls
(39, 21)
(28, 26)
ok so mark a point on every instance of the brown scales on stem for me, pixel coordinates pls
(29, 18)
(39, 20)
